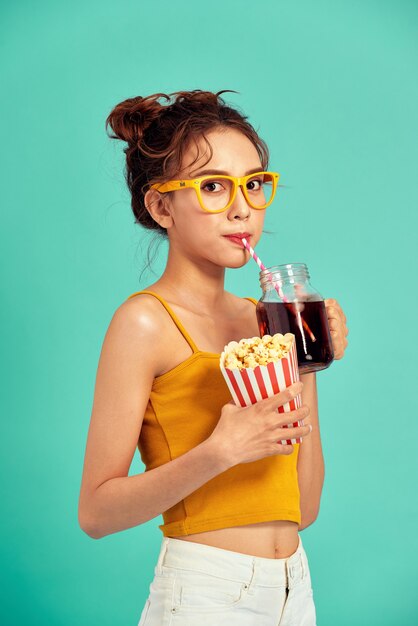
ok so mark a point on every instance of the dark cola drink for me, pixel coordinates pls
(308, 322)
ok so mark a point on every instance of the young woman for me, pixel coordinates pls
(233, 500)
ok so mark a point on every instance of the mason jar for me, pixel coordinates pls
(289, 304)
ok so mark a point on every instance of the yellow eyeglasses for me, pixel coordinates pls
(216, 193)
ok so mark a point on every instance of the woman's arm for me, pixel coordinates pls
(110, 500)
(311, 470)
(128, 501)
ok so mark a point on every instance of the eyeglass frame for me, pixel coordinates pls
(238, 181)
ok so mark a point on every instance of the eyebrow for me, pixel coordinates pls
(207, 172)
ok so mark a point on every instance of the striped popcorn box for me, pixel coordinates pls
(248, 385)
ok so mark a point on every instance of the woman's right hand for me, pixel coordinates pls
(246, 434)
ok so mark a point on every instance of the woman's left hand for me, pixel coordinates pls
(337, 326)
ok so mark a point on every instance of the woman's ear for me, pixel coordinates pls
(158, 207)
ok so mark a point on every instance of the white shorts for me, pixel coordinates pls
(199, 585)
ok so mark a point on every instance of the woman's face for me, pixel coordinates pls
(200, 235)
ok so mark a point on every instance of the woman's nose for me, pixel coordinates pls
(239, 207)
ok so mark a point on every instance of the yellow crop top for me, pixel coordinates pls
(183, 409)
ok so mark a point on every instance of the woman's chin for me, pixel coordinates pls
(236, 264)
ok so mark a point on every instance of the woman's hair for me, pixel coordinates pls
(158, 135)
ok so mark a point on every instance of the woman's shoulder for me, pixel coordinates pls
(143, 308)
(132, 335)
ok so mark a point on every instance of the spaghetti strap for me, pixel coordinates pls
(252, 300)
(173, 317)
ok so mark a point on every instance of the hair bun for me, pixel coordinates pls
(130, 119)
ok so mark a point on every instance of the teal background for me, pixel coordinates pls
(331, 86)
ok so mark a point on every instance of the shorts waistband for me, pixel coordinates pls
(221, 563)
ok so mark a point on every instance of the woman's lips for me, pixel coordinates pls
(237, 240)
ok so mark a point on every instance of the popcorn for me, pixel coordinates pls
(256, 351)
(259, 367)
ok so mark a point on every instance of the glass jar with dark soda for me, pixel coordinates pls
(290, 304)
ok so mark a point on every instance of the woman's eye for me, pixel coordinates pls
(212, 186)
(255, 184)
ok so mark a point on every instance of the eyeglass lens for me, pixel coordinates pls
(216, 192)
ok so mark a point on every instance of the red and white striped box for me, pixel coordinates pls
(251, 384)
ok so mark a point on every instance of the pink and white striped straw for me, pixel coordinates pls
(263, 267)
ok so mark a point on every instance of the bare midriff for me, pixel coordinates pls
(272, 540)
